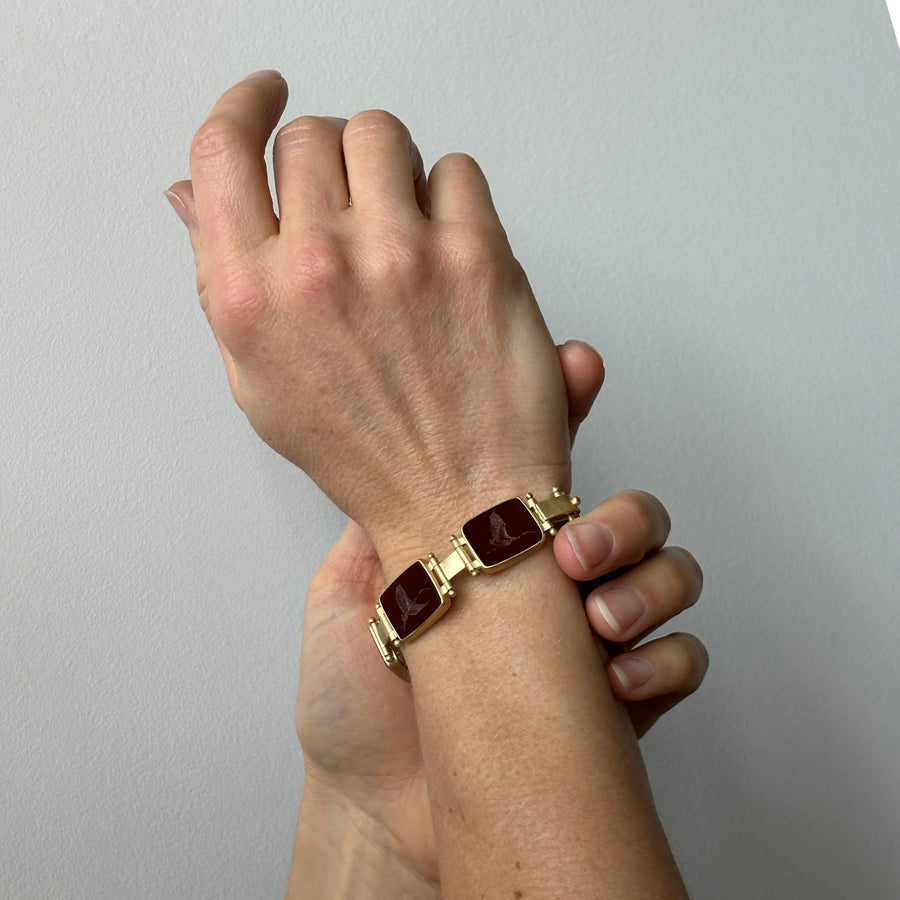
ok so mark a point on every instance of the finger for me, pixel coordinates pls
(310, 175)
(181, 196)
(645, 596)
(619, 532)
(460, 193)
(310, 179)
(420, 180)
(583, 373)
(383, 164)
(657, 676)
(228, 169)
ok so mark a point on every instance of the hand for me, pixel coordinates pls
(389, 345)
(356, 721)
(633, 584)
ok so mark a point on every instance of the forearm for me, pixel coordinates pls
(534, 774)
(339, 852)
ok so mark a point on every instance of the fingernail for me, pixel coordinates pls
(620, 606)
(271, 74)
(178, 206)
(591, 543)
(632, 672)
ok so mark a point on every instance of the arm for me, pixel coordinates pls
(378, 329)
(357, 725)
(342, 852)
(534, 776)
(356, 722)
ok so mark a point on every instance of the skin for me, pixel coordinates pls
(357, 722)
(336, 314)
(310, 310)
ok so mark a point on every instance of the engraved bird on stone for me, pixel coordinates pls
(500, 537)
(408, 607)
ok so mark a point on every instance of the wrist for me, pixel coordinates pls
(498, 617)
(342, 852)
(427, 526)
(493, 540)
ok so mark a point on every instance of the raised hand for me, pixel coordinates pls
(378, 332)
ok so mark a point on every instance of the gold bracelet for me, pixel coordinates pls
(491, 541)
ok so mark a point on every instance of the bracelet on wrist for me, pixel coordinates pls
(489, 542)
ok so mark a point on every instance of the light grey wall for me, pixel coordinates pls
(707, 190)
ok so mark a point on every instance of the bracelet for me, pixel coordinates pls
(491, 541)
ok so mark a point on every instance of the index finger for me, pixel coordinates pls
(619, 532)
(228, 168)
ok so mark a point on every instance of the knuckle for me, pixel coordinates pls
(676, 582)
(298, 132)
(462, 170)
(479, 247)
(395, 265)
(241, 306)
(217, 138)
(639, 511)
(481, 265)
(318, 269)
(688, 570)
(696, 661)
(647, 513)
(374, 120)
(459, 164)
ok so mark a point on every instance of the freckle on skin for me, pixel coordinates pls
(517, 895)
(518, 864)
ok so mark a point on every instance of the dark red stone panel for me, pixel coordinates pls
(410, 599)
(502, 532)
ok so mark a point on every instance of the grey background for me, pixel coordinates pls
(707, 191)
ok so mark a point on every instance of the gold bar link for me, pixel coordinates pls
(555, 510)
(439, 575)
(389, 653)
(464, 556)
(457, 561)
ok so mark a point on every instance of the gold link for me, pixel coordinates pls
(392, 658)
(465, 559)
(555, 510)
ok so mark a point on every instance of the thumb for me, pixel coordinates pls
(582, 368)
(349, 574)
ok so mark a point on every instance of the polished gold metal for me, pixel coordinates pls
(549, 514)
(555, 510)
(386, 644)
